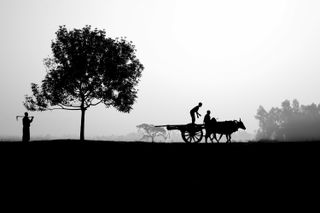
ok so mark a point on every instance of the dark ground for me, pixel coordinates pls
(200, 154)
(192, 156)
(108, 164)
(50, 174)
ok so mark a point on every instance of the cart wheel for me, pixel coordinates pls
(192, 136)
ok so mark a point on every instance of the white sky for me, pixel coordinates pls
(232, 55)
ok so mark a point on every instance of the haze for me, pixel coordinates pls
(231, 55)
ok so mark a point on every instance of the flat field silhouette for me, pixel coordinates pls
(265, 151)
(62, 164)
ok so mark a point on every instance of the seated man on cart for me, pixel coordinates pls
(209, 123)
(206, 122)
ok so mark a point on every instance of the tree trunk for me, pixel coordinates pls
(83, 111)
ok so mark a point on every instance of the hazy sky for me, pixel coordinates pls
(233, 55)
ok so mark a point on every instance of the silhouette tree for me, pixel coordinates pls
(150, 131)
(87, 69)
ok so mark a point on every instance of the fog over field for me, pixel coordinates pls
(233, 56)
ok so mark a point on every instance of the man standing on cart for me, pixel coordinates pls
(194, 113)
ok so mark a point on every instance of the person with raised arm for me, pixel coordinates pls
(26, 127)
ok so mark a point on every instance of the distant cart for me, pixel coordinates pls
(191, 133)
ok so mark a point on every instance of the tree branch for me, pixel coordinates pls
(91, 104)
(87, 102)
(88, 93)
(62, 107)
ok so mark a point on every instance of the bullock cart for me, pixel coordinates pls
(190, 133)
(193, 133)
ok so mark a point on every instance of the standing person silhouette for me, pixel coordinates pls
(26, 127)
(206, 122)
(194, 112)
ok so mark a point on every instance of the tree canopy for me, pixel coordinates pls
(291, 122)
(86, 69)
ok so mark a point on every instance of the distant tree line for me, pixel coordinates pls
(291, 122)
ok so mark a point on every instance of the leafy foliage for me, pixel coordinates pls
(86, 69)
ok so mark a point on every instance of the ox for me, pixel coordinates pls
(223, 128)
